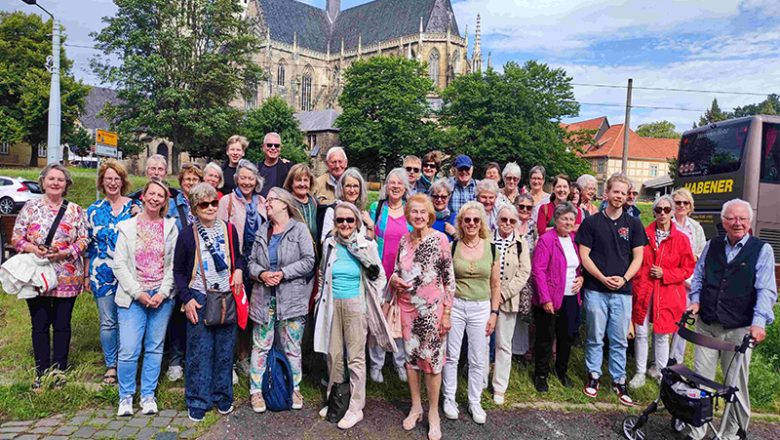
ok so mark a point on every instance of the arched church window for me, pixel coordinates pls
(433, 66)
(306, 90)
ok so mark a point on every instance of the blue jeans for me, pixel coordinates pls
(208, 378)
(109, 332)
(610, 313)
(138, 324)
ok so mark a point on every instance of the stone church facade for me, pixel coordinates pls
(306, 49)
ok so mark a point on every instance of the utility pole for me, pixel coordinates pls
(626, 128)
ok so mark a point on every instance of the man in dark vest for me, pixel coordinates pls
(733, 290)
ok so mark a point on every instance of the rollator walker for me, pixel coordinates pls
(688, 396)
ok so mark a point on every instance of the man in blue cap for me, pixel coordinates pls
(464, 187)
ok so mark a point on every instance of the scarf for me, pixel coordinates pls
(219, 262)
(351, 244)
(253, 220)
(444, 214)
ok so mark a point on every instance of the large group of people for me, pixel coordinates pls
(442, 266)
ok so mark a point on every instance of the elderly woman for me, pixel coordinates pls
(515, 263)
(424, 285)
(441, 190)
(207, 262)
(190, 175)
(588, 186)
(63, 245)
(561, 194)
(487, 194)
(213, 175)
(351, 187)
(298, 183)
(103, 217)
(511, 175)
(683, 208)
(536, 178)
(390, 226)
(475, 308)
(282, 266)
(557, 300)
(525, 228)
(349, 307)
(659, 289)
(431, 164)
(143, 266)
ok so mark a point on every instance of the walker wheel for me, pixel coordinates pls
(677, 425)
(630, 431)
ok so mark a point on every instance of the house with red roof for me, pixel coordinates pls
(648, 158)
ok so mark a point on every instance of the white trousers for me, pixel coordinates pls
(520, 340)
(469, 317)
(660, 347)
(505, 330)
(377, 356)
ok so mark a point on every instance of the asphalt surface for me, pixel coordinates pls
(383, 421)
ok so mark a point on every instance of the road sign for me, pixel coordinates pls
(106, 143)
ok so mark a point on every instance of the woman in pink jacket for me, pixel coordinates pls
(556, 273)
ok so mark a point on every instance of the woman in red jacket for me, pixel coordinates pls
(659, 289)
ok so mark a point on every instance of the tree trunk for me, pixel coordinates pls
(33, 154)
(175, 155)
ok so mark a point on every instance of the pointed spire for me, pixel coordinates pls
(477, 55)
(490, 61)
(360, 45)
(467, 37)
(421, 25)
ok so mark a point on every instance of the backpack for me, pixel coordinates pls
(277, 381)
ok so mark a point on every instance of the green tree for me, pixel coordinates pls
(277, 116)
(658, 129)
(25, 43)
(80, 141)
(514, 116)
(385, 112)
(713, 114)
(768, 106)
(181, 63)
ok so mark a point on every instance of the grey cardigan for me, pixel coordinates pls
(295, 260)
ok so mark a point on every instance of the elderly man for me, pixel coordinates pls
(235, 149)
(413, 167)
(325, 185)
(156, 168)
(273, 168)
(733, 290)
(464, 187)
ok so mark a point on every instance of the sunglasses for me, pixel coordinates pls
(430, 165)
(525, 207)
(464, 169)
(511, 179)
(203, 205)
(665, 210)
(439, 197)
(273, 146)
(512, 221)
(348, 220)
(682, 203)
(470, 220)
(412, 170)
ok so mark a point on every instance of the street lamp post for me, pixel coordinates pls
(53, 150)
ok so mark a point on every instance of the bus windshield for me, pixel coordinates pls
(713, 150)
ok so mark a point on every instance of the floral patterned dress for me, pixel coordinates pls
(428, 267)
(32, 226)
(103, 233)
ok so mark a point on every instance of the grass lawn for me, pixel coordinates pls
(17, 401)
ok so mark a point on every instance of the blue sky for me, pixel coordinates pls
(714, 45)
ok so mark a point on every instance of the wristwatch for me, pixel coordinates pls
(495, 312)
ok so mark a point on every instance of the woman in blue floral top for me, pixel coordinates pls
(103, 216)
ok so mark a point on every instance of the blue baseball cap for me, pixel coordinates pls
(463, 161)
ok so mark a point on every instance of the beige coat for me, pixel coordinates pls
(324, 192)
(517, 270)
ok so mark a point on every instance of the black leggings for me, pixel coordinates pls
(560, 327)
(45, 313)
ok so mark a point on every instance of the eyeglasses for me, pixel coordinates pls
(203, 205)
(525, 207)
(273, 146)
(430, 165)
(511, 179)
(352, 186)
(665, 210)
(412, 170)
(736, 219)
(633, 193)
(470, 220)
(348, 220)
(439, 196)
(682, 203)
(271, 199)
(512, 221)
(464, 169)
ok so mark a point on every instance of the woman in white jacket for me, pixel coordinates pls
(143, 266)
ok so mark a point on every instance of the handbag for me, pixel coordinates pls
(220, 307)
(338, 400)
(392, 313)
(239, 293)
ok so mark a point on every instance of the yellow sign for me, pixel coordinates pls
(106, 138)
(711, 186)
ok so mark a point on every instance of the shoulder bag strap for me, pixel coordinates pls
(56, 223)
(230, 206)
(229, 234)
(200, 259)
(183, 217)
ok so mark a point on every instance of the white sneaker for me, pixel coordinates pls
(125, 407)
(498, 399)
(227, 411)
(376, 376)
(402, 375)
(235, 377)
(297, 400)
(450, 409)
(350, 419)
(148, 406)
(175, 372)
(478, 414)
(636, 382)
(324, 412)
(654, 374)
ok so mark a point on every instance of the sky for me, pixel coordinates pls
(715, 46)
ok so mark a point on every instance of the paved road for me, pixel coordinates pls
(383, 421)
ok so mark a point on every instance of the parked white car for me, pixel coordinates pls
(15, 192)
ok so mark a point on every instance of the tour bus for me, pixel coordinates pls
(738, 158)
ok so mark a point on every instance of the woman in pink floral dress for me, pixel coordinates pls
(424, 283)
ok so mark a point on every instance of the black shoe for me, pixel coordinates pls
(565, 380)
(671, 362)
(540, 383)
(622, 392)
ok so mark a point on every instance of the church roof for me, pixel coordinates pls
(97, 98)
(375, 21)
(318, 120)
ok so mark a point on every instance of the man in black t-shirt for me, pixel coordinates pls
(273, 168)
(611, 245)
(235, 150)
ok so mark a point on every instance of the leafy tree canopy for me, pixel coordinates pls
(275, 115)
(658, 129)
(25, 42)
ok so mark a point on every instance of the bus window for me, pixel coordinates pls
(770, 154)
(713, 151)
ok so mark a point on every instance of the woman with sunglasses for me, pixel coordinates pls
(659, 289)
(282, 266)
(515, 261)
(474, 310)
(431, 164)
(441, 190)
(349, 307)
(511, 174)
(207, 260)
(525, 228)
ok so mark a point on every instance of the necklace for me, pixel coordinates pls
(400, 204)
(471, 246)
